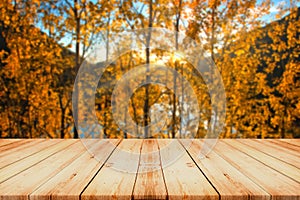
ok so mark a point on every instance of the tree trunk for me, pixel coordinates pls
(62, 118)
(178, 14)
(146, 105)
(77, 65)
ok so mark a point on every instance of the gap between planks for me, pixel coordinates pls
(4, 142)
(275, 183)
(274, 152)
(39, 174)
(229, 182)
(272, 162)
(149, 183)
(19, 166)
(201, 173)
(73, 180)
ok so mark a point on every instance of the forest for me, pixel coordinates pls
(255, 45)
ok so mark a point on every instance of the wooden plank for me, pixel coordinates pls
(277, 147)
(295, 142)
(117, 177)
(228, 181)
(4, 142)
(149, 182)
(274, 152)
(285, 145)
(25, 152)
(183, 179)
(278, 165)
(16, 146)
(14, 168)
(71, 181)
(239, 169)
(24, 183)
(278, 185)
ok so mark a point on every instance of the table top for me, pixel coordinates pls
(149, 169)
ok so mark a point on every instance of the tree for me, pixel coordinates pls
(28, 73)
(282, 71)
(80, 21)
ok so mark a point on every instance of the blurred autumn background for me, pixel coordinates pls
(254, 44)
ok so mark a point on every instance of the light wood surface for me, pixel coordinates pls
(16, 146)
(9, 158)
(111, 183)
(275, 151)
(228, 181)
(4, 142)
(272, 181)
(150, 183)
(291, 141)
(285, 145)
(182, 176)
(272, 162)
(69, 182)
(149, 169)
(19, 165)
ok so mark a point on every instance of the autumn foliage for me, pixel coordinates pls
(44, 42)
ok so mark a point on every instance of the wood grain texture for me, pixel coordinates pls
(21, 165)
(26, 151)
(278, 147)
(110, 182)
(273, 151)
(4, 142)
(16, 146)
(150, 181)
(71, 181)
(113, 169)
(228, 181)
(182, 177)
(274, 163)
(273, 182)
(285, 145)
(24, 183)
(295, 142)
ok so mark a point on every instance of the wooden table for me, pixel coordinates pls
(64, 169)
